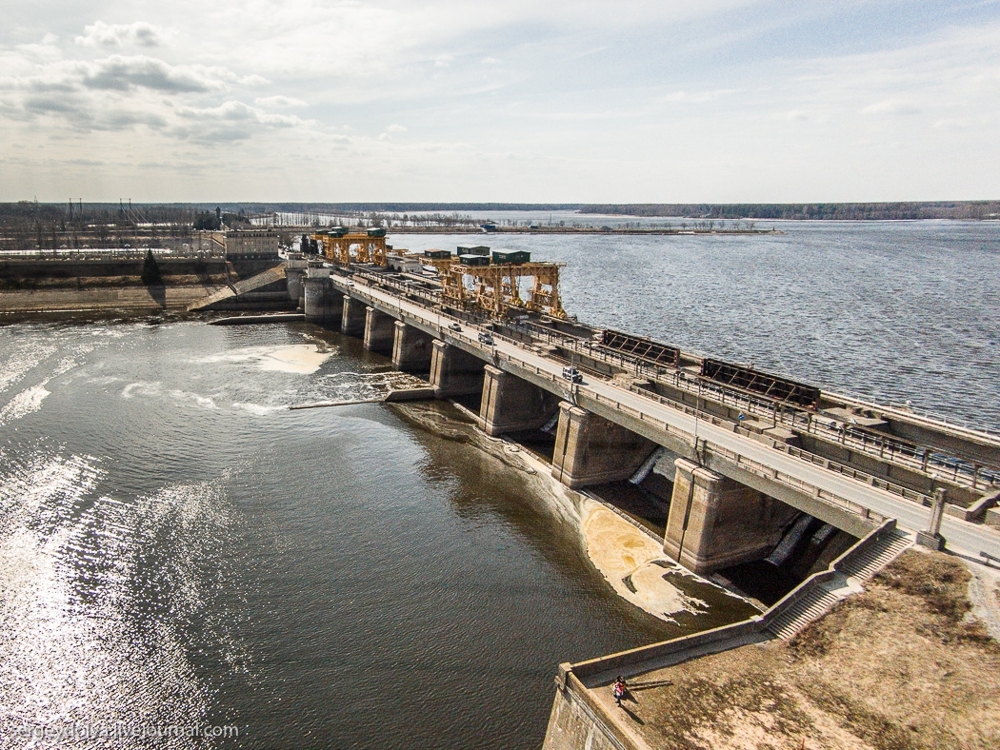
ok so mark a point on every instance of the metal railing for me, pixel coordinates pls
(885, 448)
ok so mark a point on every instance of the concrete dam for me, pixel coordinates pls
(751, 450)
(756, 464)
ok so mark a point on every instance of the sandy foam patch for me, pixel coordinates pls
(301, 359)
(634, 564)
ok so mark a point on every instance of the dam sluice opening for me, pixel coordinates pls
(803, 545)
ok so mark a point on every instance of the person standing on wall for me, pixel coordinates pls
(618, 690)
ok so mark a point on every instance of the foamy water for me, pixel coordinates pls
(635, 566)
(25, 402)
(302, 359)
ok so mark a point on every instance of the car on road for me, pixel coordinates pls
(454, 327)
(485, 338)
(572, 375)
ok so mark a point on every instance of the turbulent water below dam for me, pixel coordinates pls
(178, 549)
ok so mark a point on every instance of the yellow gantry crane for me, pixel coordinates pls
(344, 247)
(501, 289)
(468, 282)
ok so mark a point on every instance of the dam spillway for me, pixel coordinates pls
(752, 449)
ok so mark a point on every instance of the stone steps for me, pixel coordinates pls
(809, 608)
(871, 561)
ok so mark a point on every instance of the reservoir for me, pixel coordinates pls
(178, 548)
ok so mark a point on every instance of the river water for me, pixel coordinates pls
(178, 549)
(895, 311)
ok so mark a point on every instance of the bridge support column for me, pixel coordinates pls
(510, 404)
(411, 348)
(455, 372)
(592, 450)
(317, 285)
(334, 308)
(353, 314)
(295, 272)
(715, 522)
(379, 331)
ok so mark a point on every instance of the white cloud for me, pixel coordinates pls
(140, 33)
(279, 102)
(698, 97)
(124, 73)
(230, 121)
(728, 99)
(891, 107)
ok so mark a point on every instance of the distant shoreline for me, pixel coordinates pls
(577, 230)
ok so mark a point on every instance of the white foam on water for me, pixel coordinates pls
(302, 359)
(142, 388)
(363, 386)
(259, 409)
(147, 389)
(25, 402)
(105, 380)
(205, 402)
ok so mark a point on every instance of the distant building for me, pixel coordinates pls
(251, 244)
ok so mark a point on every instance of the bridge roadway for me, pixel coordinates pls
(885, 448)
(961, 536)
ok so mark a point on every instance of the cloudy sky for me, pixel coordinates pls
(513, 100)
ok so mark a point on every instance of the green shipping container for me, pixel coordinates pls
(511, 257)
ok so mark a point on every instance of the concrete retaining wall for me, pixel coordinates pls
(576, 723)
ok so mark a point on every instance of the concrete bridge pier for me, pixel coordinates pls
(380, 331)
(455, 372)
(592, 450)
(510, 404)
(353, 315)
(295, 271)
(715, 522)
(334, 307)
(317, 284)
(411, 348)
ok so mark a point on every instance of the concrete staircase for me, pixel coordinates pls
(854, 571)
(869, 562)
(809, 608)
(244, 287)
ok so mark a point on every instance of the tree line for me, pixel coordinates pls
(974, 210)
